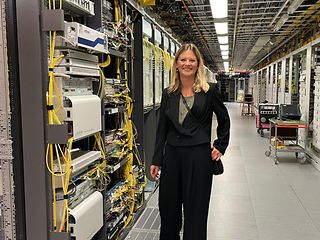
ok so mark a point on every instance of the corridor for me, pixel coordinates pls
(254, 199)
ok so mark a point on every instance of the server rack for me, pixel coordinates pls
(29, 62)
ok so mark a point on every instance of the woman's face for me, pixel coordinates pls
(187, 64)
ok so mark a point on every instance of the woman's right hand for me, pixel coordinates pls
(154, 171)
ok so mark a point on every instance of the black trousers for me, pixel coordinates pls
(186, 180)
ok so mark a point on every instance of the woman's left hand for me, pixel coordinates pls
(215, 154)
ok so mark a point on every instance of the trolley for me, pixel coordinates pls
(247, 106)
(282, 131)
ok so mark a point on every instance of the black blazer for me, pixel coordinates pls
(190, 133)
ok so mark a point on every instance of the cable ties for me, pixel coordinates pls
(49, 107)
(50, 69)
(66, 196)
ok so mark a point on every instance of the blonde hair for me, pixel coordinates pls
(200, 83)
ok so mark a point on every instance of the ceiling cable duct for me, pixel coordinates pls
(288, 39)
(276, 48)
(194, 23)
(281, 22)
(278, 13)
(294, 5)
(235, 32)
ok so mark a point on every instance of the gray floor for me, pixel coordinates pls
(254, 199)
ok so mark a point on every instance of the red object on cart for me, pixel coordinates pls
(266, 111)
(260, 124)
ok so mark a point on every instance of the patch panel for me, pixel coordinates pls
(76, 54)
(81, 160)
(77, 86)
(77, 63)
(116, 207)
(77, 71)
(82, 191)
(68, 62)
(79, 6)
(107, 17)
(115, 224)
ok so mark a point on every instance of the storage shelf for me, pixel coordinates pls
(289, 148)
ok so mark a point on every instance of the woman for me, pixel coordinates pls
(183, 150)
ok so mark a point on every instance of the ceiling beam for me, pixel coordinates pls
(257, 14)
(254, 9)
(207, 11)
(199, 6)
(278, 13)
(252, 19)
(235, 32)
(261, 2)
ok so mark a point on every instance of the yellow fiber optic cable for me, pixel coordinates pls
(105, 63)
(66, 185)
(53, 189)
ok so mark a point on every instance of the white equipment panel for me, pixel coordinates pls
(80, 35)
(80, 162)
(88, 217)
(85, 115)
(146, 28)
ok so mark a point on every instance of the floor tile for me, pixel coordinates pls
(286, 228)
(227, 225)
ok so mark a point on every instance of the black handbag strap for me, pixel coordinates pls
(189, 110)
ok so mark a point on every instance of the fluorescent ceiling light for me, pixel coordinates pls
(219, 8)
(221, 28)
(281, 21)
(262, 40)
(223, 39)
(224, 47)
(255, 49)
(294, 5)
(226, 66)
(225, 57)
(223, 53)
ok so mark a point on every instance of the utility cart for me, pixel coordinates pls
(247, 105)
(284, 138)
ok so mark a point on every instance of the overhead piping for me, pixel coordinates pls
(235, 31)
(194, 23)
